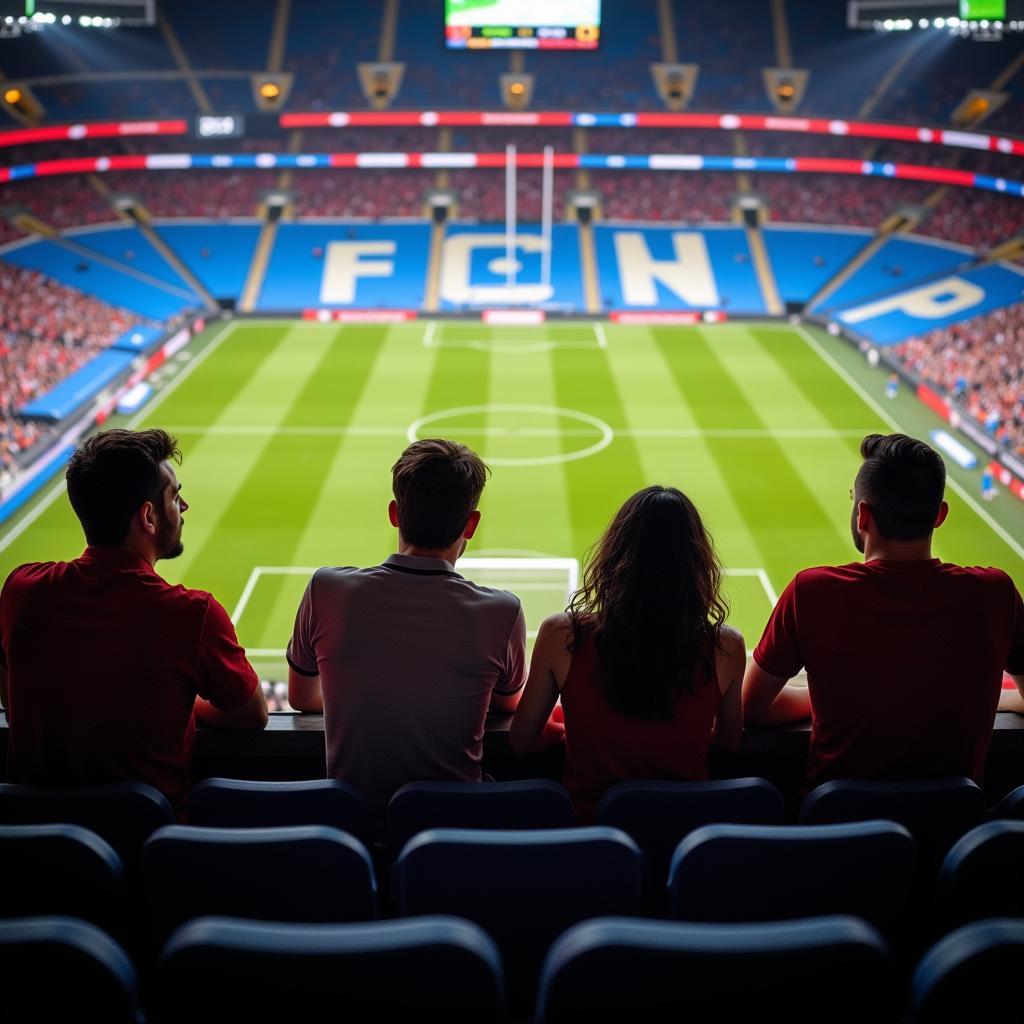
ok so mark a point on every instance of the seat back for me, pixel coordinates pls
(125, 814)
(303, 873)
(62, 969)
(427, 968)
(936, 812)
(764, 873)
(973, 878)
(657, 815)
(238, 803)
(661, 971)
(62, 870)
(524, 888)
(969, 975)
(1012, 805)
(523, 804)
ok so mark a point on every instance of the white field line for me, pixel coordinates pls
(428, 334)
(682, 433)
(602, 338)
(883, 414)
(762, 576)
(59, 488)
(250, 586)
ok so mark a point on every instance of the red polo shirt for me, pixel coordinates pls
(104, 660)
(904, 664)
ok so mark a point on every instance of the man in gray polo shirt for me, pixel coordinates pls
(405, 658)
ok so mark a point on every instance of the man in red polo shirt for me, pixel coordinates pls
(104, 667)
(904, 653)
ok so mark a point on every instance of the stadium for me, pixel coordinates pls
(605, 245)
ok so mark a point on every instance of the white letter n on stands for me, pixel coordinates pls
(688, 275)
(343, 266)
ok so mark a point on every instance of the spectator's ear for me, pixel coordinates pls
(941, 517)
(393, 513)
(471, 524)
(864, 518)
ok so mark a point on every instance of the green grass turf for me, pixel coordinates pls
(289, 431)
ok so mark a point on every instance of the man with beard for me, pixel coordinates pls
(105, 667)
(904, 653)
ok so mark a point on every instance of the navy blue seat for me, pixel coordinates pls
(658, 815)
(1012, 805)
(970, 975)
(59, 969)
(61, 870)
(125, 814)
(974, 880)
(620, 969)
(429, 968)
(524, 888)
(303, 874)
(766, 872)
(936, 812)
(238, 803)
(524, 804)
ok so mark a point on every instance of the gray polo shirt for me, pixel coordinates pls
(408, 653)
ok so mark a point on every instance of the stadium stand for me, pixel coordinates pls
(979, 364)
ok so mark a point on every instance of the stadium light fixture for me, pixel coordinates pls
(12, 96)
(270, 90)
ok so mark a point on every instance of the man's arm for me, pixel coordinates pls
(768, 700)
(509, 688)
(251, 716)
(304, 692)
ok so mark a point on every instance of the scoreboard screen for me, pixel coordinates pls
(971, 10)
(522, 24)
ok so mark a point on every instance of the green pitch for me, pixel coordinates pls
(289, 431)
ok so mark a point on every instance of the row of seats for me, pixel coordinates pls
(216, 968)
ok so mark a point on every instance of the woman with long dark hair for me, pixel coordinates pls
(648, 672)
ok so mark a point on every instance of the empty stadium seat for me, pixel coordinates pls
(61, 869)
(125, 814)
(827, 968)
(303, 873)
(524, 804)
(426, 968)
(523, 887)
(970, 975)
(59, 969)
(658, 815)
(974, 881)
(766, 872)
(936, 812)
(1012, 805)
(237, 803)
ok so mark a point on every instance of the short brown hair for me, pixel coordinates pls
(112, 474)
(902, 481)
(437, 485)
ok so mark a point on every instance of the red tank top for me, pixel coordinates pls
(603, 746)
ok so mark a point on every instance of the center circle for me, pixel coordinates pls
(518, 424)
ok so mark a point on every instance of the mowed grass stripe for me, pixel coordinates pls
(223, 537)
(597, 485)
(774, 499)
(652, 400)
(525, 507)
(826, 463)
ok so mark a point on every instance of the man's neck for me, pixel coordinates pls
(139, 549)
(449, 554)
(882, 548)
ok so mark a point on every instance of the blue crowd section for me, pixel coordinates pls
(218, 254)
(804, 260)
(676, 269)
(81, 387)
(899, 263)
(937, 302)
(138, 339)
(473, 268)
(99, 279)
(347, 265)
(130, 247)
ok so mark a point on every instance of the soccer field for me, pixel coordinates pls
(289, 430)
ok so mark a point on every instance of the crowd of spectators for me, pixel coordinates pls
(979, 364)
(47, 331)
(353, 193)
(981, 220)
(692, 198)
(835, 198)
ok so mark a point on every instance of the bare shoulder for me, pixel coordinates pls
(555, 628)
(732, 641)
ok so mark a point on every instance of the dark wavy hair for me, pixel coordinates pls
(652, 595)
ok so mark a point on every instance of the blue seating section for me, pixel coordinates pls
(81, 387)
(219, 254)
(804, 259)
